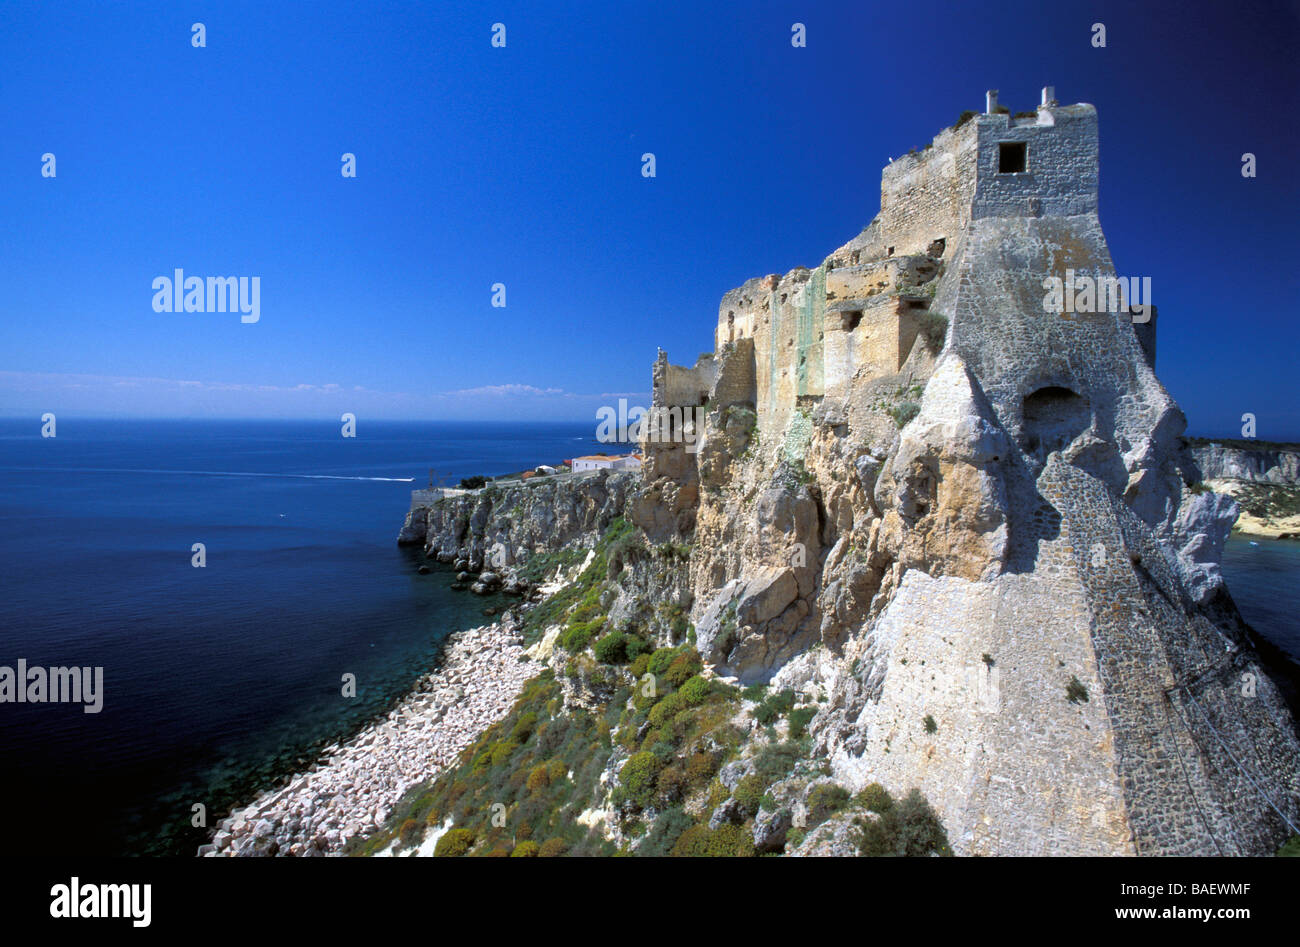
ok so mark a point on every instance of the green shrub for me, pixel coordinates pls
(624, 550)
(524, 727)
(611, 649)
(640, 666)
(668, 828)
(525, 850)
(930, 725)
(749, 793)
(904, 412)
(909, 829)
(824, 800)
(695, 691)
(700, 769)
(683, 667)
(672, 784)
(636, 647)
(699, 841)
(410, 833)
(1075, 692)
(539, 777)
(799, 720)
(502, 751)
(553, 848)
(639, 776)
(577, 637)
(454, 843)
(667, 708)
(934, 329)
(775, 761)
(875, 798)
(774, 706)
(659, 661)
(1291, 849)
(618, 647)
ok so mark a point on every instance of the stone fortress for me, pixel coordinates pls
(973, 525)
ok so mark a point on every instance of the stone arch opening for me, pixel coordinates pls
(1053, 416)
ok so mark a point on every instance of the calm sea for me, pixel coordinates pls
(217, 680)
(220, 680)
(1263, 576)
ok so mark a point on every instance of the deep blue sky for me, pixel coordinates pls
(522, 165)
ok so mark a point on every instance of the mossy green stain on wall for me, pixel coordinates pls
(773, 306)
(808, 364)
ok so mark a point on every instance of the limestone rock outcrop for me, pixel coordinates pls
(500, 526)
(1259, 465)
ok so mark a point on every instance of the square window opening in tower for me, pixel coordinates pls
(1011, 157)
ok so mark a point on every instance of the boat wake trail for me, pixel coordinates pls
(210, 473)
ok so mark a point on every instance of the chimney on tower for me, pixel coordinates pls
(990, 101)
(1049, 96)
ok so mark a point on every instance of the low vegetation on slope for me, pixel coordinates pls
(621, 747)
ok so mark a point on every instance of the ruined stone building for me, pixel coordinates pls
(963, 522)
(922, 495)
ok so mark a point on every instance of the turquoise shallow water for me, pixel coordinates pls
(217, 679)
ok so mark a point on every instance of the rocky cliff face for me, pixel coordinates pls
(1262, 465)
(1263, 483)
(501, 527)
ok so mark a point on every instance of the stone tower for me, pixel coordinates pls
(999, 530)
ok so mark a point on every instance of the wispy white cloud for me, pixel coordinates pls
(504, 390)
(23, 392)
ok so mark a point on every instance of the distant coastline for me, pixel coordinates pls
(1262, 476)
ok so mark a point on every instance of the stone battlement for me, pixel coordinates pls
(815, 330)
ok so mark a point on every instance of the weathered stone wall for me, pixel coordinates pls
(741, 311)
(926, 195)
(687, 386)
(875, 339)
(1016, 349)
(1005, 736)
(735, 383)
(1060, 179)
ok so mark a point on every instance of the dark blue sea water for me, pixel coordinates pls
(1263, 576)
(220, 679)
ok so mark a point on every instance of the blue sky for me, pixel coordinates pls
(521, 165)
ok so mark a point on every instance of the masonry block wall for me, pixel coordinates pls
(1060, 156)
